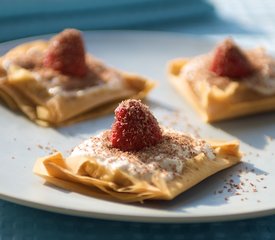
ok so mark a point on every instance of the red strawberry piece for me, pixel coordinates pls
(66, 53)
(230, 61)
(135, 127)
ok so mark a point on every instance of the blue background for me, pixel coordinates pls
(240, 18)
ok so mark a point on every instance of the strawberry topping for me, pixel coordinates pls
(230, 61)
(135, 127)
(66, 53)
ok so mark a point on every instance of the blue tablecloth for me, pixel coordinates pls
(218, 17)
(17, 222)
(29, 17)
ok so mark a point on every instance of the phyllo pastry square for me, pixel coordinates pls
(56, 82)
(137, 159)
(226, 83)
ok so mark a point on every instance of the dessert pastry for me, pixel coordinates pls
(137, 159)
(56, 82)
(227, 82)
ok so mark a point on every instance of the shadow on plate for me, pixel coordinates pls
(91, 127)
(252, 130)
(87, 128)
(212, 191)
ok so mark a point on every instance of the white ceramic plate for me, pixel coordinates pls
(145, 53)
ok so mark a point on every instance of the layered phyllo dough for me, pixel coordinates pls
(226, 83)
(153, 162)
(56, 82)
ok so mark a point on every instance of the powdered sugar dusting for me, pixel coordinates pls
(168, 157)
(135, 127)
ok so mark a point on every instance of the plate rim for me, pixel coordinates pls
(138, 218)
(123, 217)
